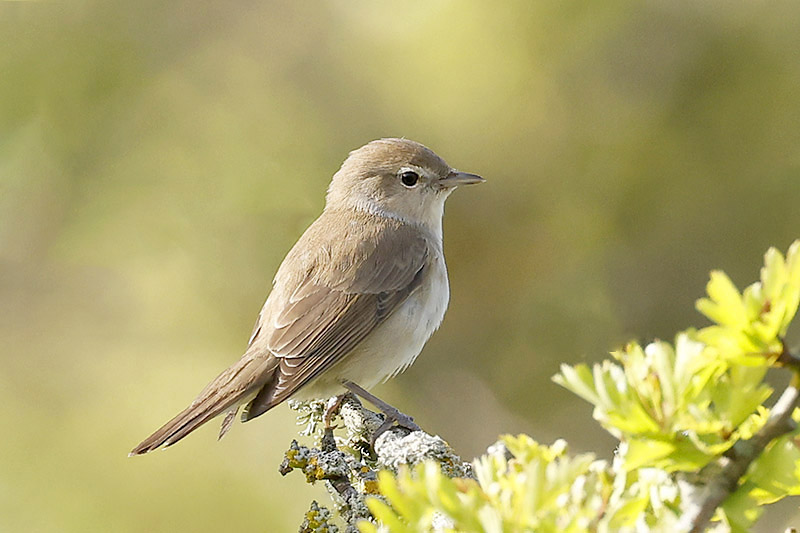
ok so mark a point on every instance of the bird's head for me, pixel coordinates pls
(397, 178)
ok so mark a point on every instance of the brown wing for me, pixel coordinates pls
(335, 305)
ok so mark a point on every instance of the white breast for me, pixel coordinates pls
(392, 346)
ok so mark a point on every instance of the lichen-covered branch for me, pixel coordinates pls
(348, 464)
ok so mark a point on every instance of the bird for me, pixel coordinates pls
(355, 299)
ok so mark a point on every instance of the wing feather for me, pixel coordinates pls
(334, 306)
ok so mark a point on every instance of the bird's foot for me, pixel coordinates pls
(333, 410)
(392, 416)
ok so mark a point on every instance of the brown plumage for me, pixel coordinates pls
(372, 249)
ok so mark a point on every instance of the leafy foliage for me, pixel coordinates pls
(525, 486)
(676, 409)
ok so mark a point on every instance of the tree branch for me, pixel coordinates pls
(348, 465)
(731, 467)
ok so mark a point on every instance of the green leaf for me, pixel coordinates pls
(724, 303)
(740, 512)
(390, 488)
(645, 452)
(383, 513)
(628, 513)
(791, 293)
(578, 379)
(776, 472)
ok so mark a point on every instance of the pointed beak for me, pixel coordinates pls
(456, 178)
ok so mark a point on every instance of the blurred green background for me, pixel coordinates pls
(157, 160)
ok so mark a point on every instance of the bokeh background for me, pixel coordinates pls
(157, 160)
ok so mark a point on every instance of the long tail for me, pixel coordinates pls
(228, 390)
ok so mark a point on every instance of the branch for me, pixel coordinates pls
(731, 467)
(349, 464)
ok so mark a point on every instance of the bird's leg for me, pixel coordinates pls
(332, 410)
(391, 413)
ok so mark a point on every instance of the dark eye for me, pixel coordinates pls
(409, 178)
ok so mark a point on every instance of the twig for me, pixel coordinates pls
(788, 358)
(734, 465)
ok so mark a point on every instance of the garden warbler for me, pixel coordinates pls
(356, 298)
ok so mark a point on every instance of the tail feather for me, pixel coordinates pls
(228, 390)
(181, 425)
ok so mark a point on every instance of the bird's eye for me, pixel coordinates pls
(409, 178)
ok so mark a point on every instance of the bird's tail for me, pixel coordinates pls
(234, 386)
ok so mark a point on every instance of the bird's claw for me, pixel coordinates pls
(394, 418)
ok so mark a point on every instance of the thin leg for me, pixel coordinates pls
(333, 410)
(391, 413)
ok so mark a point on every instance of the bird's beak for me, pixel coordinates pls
(456, 178)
